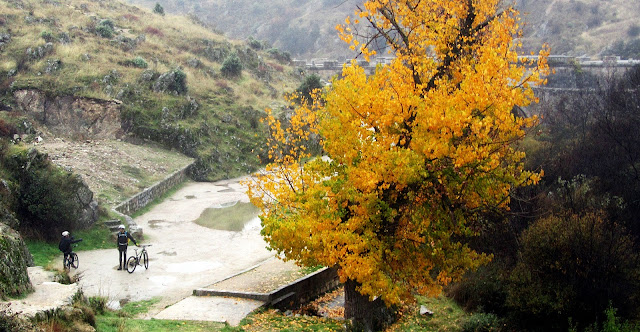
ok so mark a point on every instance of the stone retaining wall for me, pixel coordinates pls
(288, 296)
(141, 199)
(147, 196)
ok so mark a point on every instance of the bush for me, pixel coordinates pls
(98, 304)
(172, 81)
(158, 9)
(281, 56)
(231, 67)
(574, 266)
(484, 289)
(137, 62)
(7, 129)
(47, 198)
(105, 29)
(47, 36)
(254, 43)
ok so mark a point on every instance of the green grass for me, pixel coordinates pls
(447, 316)
(97, 237)
(45, 253)
(232, 218)
(121, 321)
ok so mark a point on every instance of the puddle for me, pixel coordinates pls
(156, 223)
(190, 196)
(232, 216)
(193, 267)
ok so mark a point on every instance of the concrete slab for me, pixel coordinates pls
(214, 309)
(47, 295)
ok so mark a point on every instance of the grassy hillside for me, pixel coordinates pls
(577, 27)
(168, 72)
(306, 28)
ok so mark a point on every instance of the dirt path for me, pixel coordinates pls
(183, 255)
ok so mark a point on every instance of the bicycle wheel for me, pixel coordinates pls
(131, 264)
(145, 259)
(73, 260)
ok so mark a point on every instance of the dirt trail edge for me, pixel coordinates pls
(183, 256)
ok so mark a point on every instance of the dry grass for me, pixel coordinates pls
(169, 43)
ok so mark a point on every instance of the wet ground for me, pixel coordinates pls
(184, 255)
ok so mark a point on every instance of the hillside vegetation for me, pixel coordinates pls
(174, 80)
(307, 28)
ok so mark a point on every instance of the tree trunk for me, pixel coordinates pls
(365, 315)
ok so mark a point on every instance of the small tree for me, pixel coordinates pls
(158, 9)
(414, 153)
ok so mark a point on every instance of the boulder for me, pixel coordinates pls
(14, 256)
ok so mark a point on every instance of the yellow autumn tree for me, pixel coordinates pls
(413, 154)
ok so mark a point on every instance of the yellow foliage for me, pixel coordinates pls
(414, 152)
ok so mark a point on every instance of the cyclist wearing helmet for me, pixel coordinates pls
(123, 241)
(65, 245)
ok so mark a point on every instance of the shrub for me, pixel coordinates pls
(172, 81)
(231, 67)
(7, 129)
(574, 266)
(105, 29)
(98, 304)
(254, 43)
(14, 322)
(48, 199)
(484, 289)
(281, 56)
(158, 9)
(47, 36)
(137, 62)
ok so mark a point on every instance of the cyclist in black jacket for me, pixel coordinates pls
(65, 245)
(123, 242)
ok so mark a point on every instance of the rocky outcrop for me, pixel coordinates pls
(14, 278)
(88, 213)
(70, 116)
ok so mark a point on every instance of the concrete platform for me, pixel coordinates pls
(210, 308)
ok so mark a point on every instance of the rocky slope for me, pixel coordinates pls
(306, 28)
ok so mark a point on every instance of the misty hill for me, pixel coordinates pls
(307, 28)
(105, 69)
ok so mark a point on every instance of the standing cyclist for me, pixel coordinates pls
(123, 242)
(65, 246)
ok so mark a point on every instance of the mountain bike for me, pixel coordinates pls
(72, 260)
(141, 258)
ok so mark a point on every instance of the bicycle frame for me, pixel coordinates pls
(139, 258)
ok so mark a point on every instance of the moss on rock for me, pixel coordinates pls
(14, 257)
